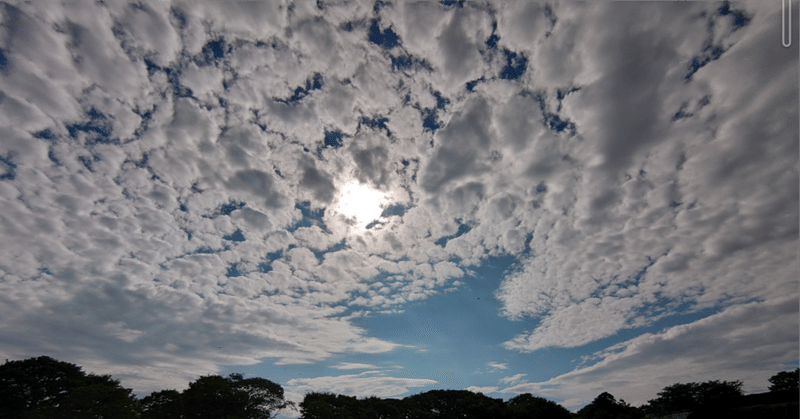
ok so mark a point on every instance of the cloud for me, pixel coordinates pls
(169, 172)
(673, 229)
(365, 384)
(639, 368)
(497, 366)
(512, 379)
(353, 366)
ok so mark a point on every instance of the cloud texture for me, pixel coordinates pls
(171, 178)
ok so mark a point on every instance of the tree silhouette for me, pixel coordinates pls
(526, 406)
(785, 380)
(45, 388)
(605, 406)
(453, 404)
(328, 405)
(165, 404)
(232, 397)
(693, 396)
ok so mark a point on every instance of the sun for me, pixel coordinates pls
(360, 204)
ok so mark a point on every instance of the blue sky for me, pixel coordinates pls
(385, 198)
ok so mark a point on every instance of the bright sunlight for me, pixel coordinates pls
(360, 203)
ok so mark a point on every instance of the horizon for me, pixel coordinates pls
(559, 199)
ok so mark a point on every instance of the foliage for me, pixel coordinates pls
(164, 404)
(785, 380)
(454, 404)
(605, 406)
(526, 406)
(232, 397)
(45, 388)
(693, 396)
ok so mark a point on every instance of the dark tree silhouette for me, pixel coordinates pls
(605, 406)
(233, 397)
(785, 380)
(691, 397)
(527, 406)
(328, 405)
(165, 404)
(45, 388)
(454, 404)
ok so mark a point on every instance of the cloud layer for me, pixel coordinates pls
(172, 177)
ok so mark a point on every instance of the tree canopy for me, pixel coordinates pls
(216, 397)
(45, 388)
(785, 380)
(694, 396)
(605, 406)
(39, 388)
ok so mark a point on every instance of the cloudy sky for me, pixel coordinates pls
(387, 198)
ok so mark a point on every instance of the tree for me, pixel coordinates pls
(526, 406)
(785, 380)
(164, 404)
(605, 406)
(45, 388)
(690, 397)
(327, 405)
(453, 404)
(233, 397)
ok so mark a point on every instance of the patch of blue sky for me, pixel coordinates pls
(310, 217)
(213, 51)
(229, 208)
(397, 209)
(98, 129)
(740, 19)
(266, 265)
(10, 168)
(320, 254)
(152, 68)
(457, 334)
(471, 84)
(462, 229)
(491, 41)
(441, 102)
(515, 65)
(333, 139)
(233, 271)
(236, 236)
(387, 38)
(3, 60)
(449, 3)
(710, 53)
(376, 123)
(429, 120)
(87, 162)
(552, 120)
(462, 331)
(314, 83)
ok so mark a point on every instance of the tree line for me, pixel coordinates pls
(43, 387)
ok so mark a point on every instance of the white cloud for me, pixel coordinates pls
(512, 379)
(365, 384)
(497, 366)
(156, 159)
(765, 335)
(353, 366)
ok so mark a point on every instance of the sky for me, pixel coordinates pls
(380, 199)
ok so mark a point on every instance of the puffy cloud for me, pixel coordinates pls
(171, 176)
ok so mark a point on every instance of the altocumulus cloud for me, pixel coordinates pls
(170, 175)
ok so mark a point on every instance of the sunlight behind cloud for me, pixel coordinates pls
(360, 203)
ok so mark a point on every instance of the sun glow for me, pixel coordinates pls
(360, 204)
